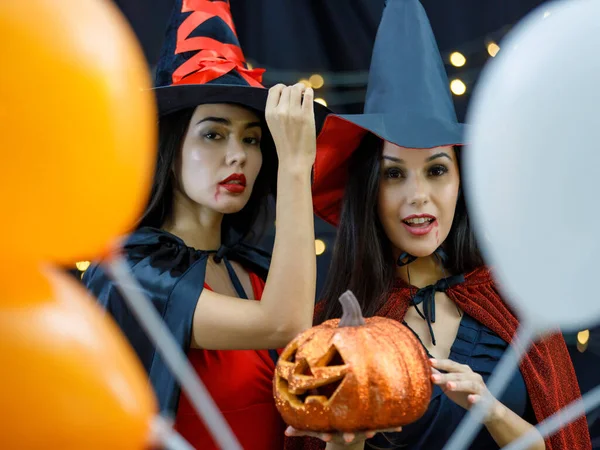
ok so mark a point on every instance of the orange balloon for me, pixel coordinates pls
(77, 129)
(68, 378)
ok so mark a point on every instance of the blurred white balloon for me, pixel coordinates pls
(534, 129)
(533, 166)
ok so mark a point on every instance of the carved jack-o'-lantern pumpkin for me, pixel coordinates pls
(353, 374)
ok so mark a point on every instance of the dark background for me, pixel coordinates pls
(293, 39)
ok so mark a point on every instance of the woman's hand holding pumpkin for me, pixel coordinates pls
(463, 386)
(340, 439)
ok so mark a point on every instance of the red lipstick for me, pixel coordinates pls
(419, 224)
(234, 183)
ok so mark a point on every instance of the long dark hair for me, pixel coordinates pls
(362, 259)
(250, 223)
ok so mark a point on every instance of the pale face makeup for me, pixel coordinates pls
(418, 191)
(220, 157)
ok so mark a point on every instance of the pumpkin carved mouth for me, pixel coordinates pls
(305, 384)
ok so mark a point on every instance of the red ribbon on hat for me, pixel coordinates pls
(214, 58)
(210, 64)
(206, 9)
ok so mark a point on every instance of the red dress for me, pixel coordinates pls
(241, 384)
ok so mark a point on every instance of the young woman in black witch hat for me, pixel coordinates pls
(225, 145)
(391, 180)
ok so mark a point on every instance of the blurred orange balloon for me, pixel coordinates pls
(77, 129)
(68, 378)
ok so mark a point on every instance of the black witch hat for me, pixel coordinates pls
(202, 62)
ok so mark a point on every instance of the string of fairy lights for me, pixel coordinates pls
(347, 83)
(339, 89)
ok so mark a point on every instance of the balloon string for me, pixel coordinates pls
(166, 437)
(172, 354)
(558, 420)
(470, 425)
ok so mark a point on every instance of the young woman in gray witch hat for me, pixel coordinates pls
(390, 180)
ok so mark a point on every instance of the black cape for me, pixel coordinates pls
(171, 275)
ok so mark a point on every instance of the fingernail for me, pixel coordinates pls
(326, 437)
(370, 434)
(348, 437)
(451, 385)
(433, 361)
(436, 377)
(288, 431)
(399, 429)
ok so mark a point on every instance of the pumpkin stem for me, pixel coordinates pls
(351, 315)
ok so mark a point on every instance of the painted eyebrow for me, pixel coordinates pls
(431, 158)
(225, 121)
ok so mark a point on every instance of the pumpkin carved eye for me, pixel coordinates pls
(304, 383)
(292, 357)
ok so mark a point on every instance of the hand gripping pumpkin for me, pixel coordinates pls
(353, 374)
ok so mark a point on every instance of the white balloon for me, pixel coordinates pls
(532, 168)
